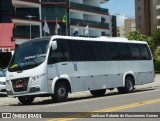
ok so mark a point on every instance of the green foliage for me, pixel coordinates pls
(157, 52)
(157, 65)
(156, 37)
(153, 40)
(136, 35)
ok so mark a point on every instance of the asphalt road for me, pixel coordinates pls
(143, 100)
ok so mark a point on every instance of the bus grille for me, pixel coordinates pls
(20, 85)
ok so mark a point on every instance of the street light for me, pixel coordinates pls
(30, 18)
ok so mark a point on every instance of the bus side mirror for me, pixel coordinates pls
(54, 45)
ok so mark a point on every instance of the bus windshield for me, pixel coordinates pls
(29, 55)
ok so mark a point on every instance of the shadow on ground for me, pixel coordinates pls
(49, 101)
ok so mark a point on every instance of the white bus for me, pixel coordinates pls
(58, 65)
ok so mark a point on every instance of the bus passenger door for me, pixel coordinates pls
(52, 73)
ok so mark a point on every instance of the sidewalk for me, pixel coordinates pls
(155, 84)
(14, 101)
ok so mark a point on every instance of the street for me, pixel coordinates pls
(145, 98)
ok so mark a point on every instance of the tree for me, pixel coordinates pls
(156, 37)
(136, 35)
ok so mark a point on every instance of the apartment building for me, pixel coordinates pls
(129, 26)
(27, 18)
(120, 31)
(146, 14)
(158, 13)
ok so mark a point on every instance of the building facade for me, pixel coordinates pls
(146, 14)
(120, 31)
(129, 26)
(29, 17)
(158, 13)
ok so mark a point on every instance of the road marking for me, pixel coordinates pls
(93, 99)
(83, 115)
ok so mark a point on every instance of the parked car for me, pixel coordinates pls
(2, 82)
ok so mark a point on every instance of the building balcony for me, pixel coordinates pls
(31, 0)
(158, 17)
(26, 3)
(23, 15)
(92, 24)
(104, 1)
(25, 32)
(53, 0)
(88, 8)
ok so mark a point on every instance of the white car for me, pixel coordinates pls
(2, 82)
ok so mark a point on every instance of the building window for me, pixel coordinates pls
(139, 17)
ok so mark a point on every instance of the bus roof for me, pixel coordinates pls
(102, 38)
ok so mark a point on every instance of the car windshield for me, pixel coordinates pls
(2, 73)
(29, 55)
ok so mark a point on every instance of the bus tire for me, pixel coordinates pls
(60, 93)
(129, 85)
(26, 100)
(98, 93)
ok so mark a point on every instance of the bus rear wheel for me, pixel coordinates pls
(26, 100)
(98, 93)
(129, 86)
(60, 93)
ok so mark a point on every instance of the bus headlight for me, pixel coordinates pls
(2, 83)
(36, 77)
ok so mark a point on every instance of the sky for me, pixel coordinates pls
(121, 8)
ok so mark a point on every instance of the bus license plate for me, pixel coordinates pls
(19, 85)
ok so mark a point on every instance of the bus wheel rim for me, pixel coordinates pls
(61, 92)
(129, 85)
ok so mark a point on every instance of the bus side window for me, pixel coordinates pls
(100, 51)
(124, 51)
(74, 51)
(113, 51)
(144, 52)
(87, 50)
(60, 54)
(134, 51)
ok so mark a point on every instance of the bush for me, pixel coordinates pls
(157, 65)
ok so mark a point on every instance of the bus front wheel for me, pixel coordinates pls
(26, 100)
(129, 86)
(97, 93)
(60, 93)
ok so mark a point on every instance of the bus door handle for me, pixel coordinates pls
(64, 64)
